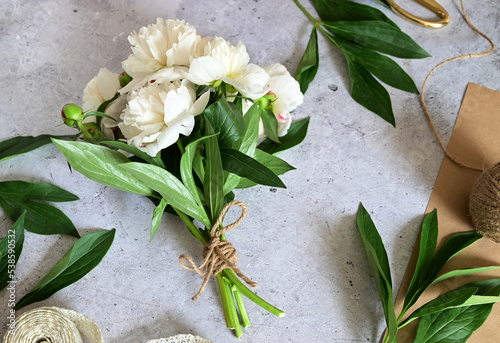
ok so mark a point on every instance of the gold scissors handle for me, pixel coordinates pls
(431, 5)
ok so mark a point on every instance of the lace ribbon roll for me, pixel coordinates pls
(181, 339)
(54, 325)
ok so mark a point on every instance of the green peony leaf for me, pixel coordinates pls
(226, 121)
(157, 216)
(213, 183)
(101, 164)
(22, 144)
(367, 91)
(169, 187)
(186, 167)
(456, 325)
(345, 10)
(84, 256)
(309, 63)
(245, 166)
(295, 135)
(246, 144)
(274, 163)
(17, 197)
(378, 36)
(270, 124)
(135, 151)
(382, 67)
(379, 266)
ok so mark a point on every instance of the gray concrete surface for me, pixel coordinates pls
(301, 243)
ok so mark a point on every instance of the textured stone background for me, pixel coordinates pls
(301, 243)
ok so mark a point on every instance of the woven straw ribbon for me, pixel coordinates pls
(58, 325)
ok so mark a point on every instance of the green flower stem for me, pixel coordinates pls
(315, 22)
(230, 313)
(181, 148)
(84, 131)
(241, 306)
(231, 275)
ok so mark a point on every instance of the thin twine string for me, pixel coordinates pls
(217, 254)
(422, 96)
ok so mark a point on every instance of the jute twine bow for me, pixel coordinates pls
(484, 203)
(217, 254)
(52, 325)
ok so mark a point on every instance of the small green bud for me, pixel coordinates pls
(71, 114)
(216, 83)
(93, 129)
(124, 79)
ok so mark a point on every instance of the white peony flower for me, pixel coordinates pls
(288, 95)
(228, 63)
(167, 44)
(102, 88)
(157, 114)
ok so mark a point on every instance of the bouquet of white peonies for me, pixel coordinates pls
(188, 121)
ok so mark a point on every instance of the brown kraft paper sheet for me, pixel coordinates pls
(475, 141)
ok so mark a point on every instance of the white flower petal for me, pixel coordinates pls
(200, 104)
(205, 70)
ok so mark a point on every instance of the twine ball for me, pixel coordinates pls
(484, 205)
(53, 325)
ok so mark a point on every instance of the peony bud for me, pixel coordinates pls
(124, 79)
(71, 114)
(93, 130)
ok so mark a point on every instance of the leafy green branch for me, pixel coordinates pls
(453, 316)
(21, 201)
(363, 34)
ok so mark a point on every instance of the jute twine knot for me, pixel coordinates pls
(52, 325)
(217, 254)
(484, 204)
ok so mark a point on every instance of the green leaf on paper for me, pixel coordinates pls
(22, 144)
(462, 272)
(451, 299)
(101, 164)
(270, 124)
(295, 135)
(342, 10)
(456, 325)
(83, 256)
(427, 249)
(430, 262)
(14, 239)
(157, 216)
(382, 67)
(213, 183)
(308, 65)
(274, 163)
(245, 166)
(378, 36)
(379, 266)
(169, 187)
(450, 248)
(226, 121)
(17, 197)
(367, 91)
